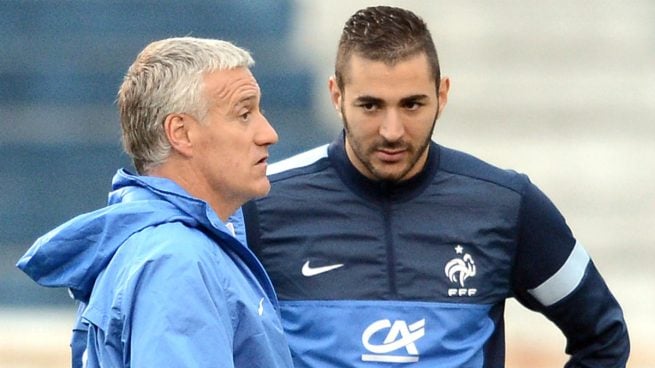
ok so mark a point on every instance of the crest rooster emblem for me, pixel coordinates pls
(460, 269)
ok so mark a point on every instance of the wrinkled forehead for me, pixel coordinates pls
(224, 86)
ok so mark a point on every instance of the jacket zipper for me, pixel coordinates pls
(390, 249)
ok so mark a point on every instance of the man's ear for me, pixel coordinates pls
(176, 127)
(335, 94)
(444, 88)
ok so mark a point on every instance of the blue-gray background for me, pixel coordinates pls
(62, 64)
(562, 90)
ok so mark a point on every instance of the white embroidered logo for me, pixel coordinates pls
(260, 309)
(400, 335)
(458, 270)
(309, 271)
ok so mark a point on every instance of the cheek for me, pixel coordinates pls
(419, 126)
(234, 162)
(222, 160)
(361, 125)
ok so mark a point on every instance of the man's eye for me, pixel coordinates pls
(368, 106)
(413, 105)
(245, 116)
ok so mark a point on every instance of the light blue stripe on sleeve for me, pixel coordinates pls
(565, 280)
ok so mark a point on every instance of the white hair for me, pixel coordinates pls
(165, 78)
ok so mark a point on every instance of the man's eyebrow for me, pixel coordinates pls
(368, 99)
(246, 100)
(414, 98)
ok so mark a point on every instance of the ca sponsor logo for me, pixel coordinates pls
(400, 340)
(458, 270)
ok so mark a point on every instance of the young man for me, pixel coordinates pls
(386, 248)
(161, 277)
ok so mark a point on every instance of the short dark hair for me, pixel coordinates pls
(387, 34)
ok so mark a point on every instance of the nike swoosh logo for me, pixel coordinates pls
(309, 271)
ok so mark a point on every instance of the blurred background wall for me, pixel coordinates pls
(561, 90)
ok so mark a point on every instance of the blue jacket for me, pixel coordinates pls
(375, 274)
(162, 283)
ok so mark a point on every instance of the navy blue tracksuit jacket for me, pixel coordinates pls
(416, 274)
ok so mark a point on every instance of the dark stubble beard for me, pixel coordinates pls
(381, 143)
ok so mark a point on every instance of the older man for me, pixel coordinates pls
(161, 277)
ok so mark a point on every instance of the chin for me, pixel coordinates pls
(389, 175)
(262, 189)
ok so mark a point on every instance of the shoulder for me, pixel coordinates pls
(304, 162)
(463, 164)
(169, 244)
(167, 256)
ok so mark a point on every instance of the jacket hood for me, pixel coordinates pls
(73, 254)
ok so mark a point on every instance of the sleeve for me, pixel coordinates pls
(555, 276)
(179, 316)
(162, 302)
(79, 338)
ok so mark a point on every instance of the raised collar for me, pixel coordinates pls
(378, 190)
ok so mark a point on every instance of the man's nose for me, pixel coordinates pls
(266, 134)
(392, 128)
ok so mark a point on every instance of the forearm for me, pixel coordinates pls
(593, 323)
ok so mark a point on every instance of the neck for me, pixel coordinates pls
(196, 186)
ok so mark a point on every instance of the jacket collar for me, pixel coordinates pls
(379, 190)
(128, 187)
